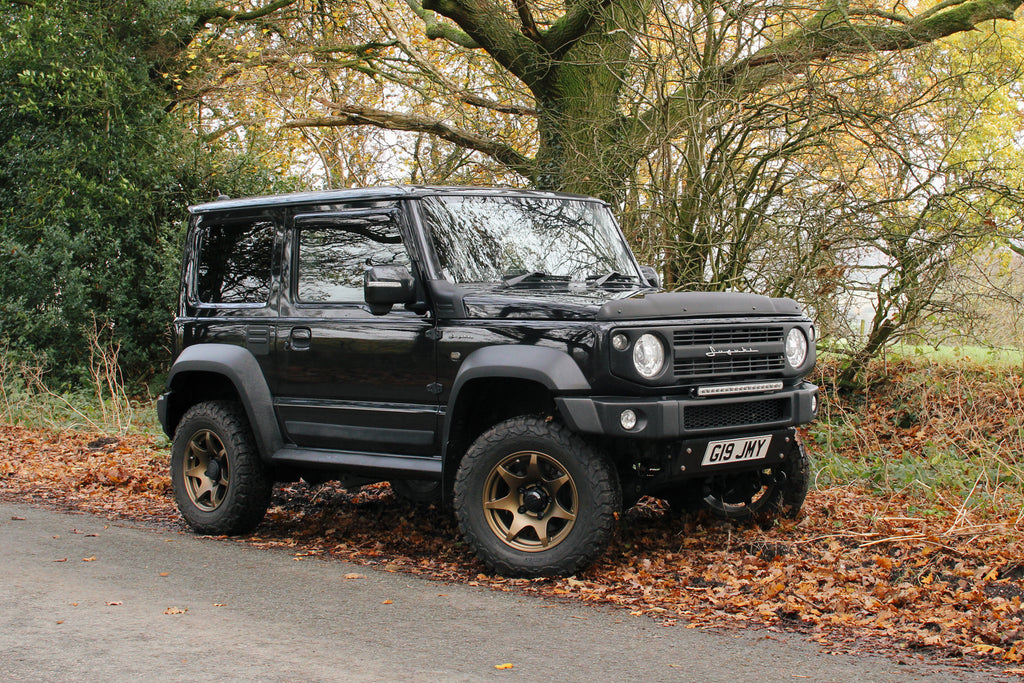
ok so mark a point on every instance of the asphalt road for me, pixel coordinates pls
(84, 599)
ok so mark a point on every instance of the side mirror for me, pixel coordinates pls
(385, 286)
(651, 275)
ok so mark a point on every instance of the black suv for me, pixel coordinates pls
(497, 350)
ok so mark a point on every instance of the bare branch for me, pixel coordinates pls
(428, 66)
(485, 103)
(484, 22)
(211, 13)
(529, 26)
(351, 115)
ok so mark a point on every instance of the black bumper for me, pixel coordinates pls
(685, 418)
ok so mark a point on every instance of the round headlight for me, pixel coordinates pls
(648, 355)
(796, 347)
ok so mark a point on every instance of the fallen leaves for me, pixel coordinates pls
(176, 610)
(127, 478)
(910, 570)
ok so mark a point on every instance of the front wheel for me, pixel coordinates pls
(534, 499)
(220, 483)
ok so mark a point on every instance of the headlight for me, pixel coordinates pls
(649, 355)
(796, 347)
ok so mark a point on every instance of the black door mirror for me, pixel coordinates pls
(651, 276)
(385, 286)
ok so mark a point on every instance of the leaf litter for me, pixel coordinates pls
(855, 569)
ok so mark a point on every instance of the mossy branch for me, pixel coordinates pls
(436, 30)
(825, 38)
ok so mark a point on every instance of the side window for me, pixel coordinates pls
(235, 262)
(332, 257)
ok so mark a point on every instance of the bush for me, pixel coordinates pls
(95, 177)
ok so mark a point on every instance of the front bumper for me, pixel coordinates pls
(691, 418)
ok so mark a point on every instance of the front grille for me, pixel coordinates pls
(735, 414)
(728, 352)
(730, 365)
(727, 335)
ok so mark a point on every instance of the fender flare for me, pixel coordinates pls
(549, 367)
(241, 368)
(554, 369)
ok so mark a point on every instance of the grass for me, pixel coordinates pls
(99, 404)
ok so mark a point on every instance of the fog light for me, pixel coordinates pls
(627, 419)
(620, 342)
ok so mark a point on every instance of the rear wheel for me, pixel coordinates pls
(220, 483)
(534, 499)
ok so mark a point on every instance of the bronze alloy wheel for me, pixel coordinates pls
(207, 472)
(530, 501)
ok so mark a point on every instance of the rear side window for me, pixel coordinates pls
(333, 255)
(235, 262)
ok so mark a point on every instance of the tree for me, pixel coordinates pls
(590, 70)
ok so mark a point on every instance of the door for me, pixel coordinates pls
(350, 380)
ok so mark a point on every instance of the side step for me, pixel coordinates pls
(408, 466)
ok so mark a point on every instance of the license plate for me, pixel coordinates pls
(736, 450)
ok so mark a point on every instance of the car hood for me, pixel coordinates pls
(602, 304)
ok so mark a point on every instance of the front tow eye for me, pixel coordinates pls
(535, 500)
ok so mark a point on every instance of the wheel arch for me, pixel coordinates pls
(222, 371)
(526, 379)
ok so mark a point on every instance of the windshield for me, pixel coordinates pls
(521, 240)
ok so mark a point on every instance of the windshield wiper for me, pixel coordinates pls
(613, 276)
(513, 279)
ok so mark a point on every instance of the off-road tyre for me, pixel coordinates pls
(520, 464)
(235, 499)
(774, 499)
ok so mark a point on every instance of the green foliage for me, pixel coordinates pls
(95, 176)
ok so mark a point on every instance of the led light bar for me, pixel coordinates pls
(739, 388)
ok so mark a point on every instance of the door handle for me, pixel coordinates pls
(300, 338)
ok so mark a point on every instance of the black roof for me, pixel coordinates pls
(380, 193)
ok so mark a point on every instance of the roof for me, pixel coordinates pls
(378, 193)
